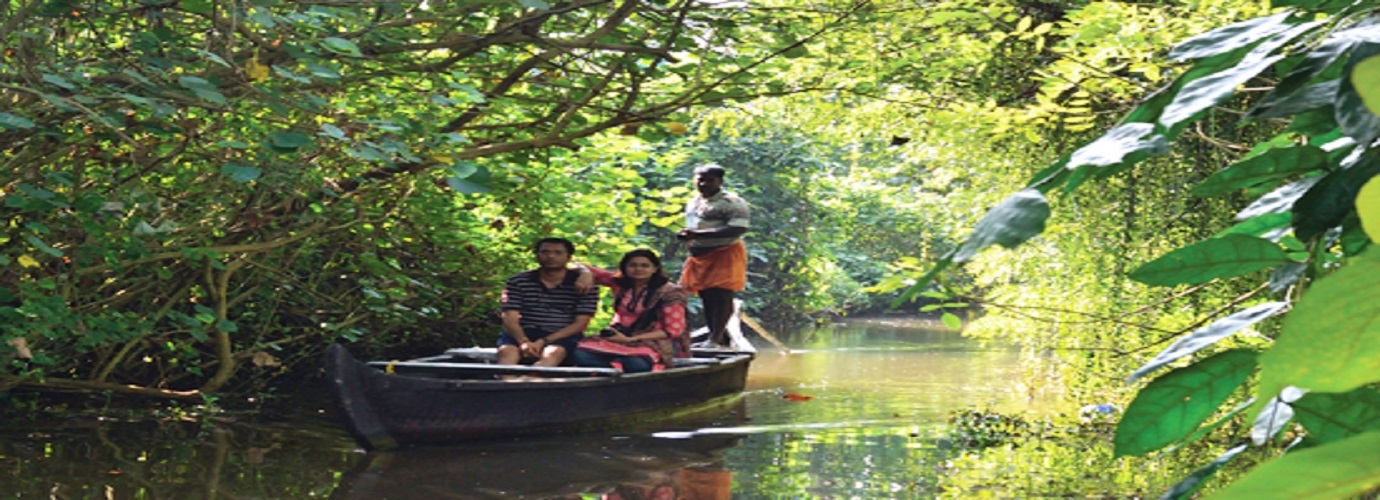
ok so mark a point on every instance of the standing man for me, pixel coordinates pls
(717, 267)
(543, 314)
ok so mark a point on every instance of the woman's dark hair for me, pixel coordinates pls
(625, 283)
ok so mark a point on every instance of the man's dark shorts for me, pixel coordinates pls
(568, 343)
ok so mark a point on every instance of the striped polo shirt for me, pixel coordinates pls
(546, 310)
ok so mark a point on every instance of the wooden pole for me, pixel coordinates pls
(753, 324)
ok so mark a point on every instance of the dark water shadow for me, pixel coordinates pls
(634, 462)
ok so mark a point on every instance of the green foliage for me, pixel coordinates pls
(1225, 257)
(1173, 405)
(1325, 344)
(977, 429)
(1335, 471)
(191, 186)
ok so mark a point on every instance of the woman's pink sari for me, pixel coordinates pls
(632, 317)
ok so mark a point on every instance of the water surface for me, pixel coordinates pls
(857, 410)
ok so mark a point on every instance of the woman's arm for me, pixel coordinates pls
(601, 276)
(590, 276)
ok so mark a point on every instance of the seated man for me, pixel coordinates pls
(543, 314)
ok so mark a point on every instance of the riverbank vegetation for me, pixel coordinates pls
(200, 195)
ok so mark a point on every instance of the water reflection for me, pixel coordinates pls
(857, 410)
(626, 467)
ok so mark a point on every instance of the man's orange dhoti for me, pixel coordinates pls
(724, 267)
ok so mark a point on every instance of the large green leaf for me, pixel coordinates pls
(1292, 89)
(1328, 203)
(1331, 340)
(1010, 223)
(1173, 405)
(1339, 470)
(1229, 256)
(1332, 417)
(1153, 107)
(1194, 481)
(1281, 200)
(1230, 37)
(1268, 226)
(1271, 165)
(1356, 120)
(1209, 335)
(1127, 143)
(1305, 99)
(1199, 95)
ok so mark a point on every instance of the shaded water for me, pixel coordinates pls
(858, 410)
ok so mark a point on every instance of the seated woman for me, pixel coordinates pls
(648, 328)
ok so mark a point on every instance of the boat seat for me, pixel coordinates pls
(497, 369)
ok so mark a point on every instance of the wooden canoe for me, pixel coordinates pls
(459, 397)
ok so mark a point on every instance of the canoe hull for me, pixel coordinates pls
(384, 410)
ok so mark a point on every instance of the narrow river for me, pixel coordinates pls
(857, 410)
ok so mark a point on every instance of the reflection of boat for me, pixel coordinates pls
(538, 468)
(459, 397)
(555, 466)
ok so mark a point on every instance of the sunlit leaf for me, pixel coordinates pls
(951, 320)
(1271, 165)
(1368, 208)
(1229, 256)
(1199, 95)
(1118, 143)
(1335, 470)
(1365, 78)
(1173, 405)
(1281, 200)
(1010, 223)
(1230, 37)
(1209, 335)
(1269, 226)
(1331, 340)
(27, 261)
